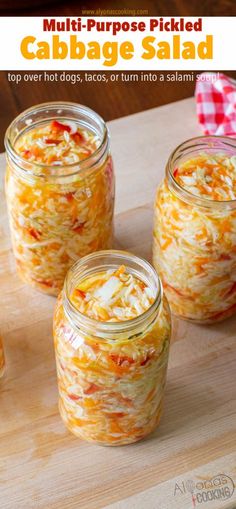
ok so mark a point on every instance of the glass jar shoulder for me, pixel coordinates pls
(67, 197)
(169, 205)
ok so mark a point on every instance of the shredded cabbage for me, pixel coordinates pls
(112, 296)
(53, 224)
(57, 143)
(111, 391)
(212, 177)
(194, 248)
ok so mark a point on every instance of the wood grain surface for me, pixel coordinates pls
(42, 466)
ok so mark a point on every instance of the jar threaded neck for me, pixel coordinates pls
(102, 261)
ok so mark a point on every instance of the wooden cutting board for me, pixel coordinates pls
(45, 467)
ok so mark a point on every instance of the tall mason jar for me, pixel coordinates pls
(111, 374)
(194, 245)
(59, 189)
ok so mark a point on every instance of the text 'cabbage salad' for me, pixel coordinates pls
(55, 221)
(111, 391)
(195, 245)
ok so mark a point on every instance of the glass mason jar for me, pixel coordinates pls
(58, 212)
(111, 375)
(2, 359)
(194, 247)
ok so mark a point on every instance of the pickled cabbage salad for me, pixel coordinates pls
(55, 222)
(111, 391)
(194, 246)
(57, 143)
(211, 177)
(112, 296)
(2, 360)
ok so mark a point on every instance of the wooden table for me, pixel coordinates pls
(45, 467)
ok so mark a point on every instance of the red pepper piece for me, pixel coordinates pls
(93, 388)
(145, 361)
(78, 137)
(50, 141)
(175, 173)
(58, 126)
(47, 283)
(78, 228)
(87, 153)
(225, 257)
(26, 154)
(121, 360)
(73, 397)
(70, 196)
(34, 233)
(80, 293)
(142, 286)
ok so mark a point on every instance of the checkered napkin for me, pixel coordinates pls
(216, 104)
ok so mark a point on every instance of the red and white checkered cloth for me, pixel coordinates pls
(216, 104)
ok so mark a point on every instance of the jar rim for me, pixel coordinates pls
(194, 143)
(104, 330)
(51, 105)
